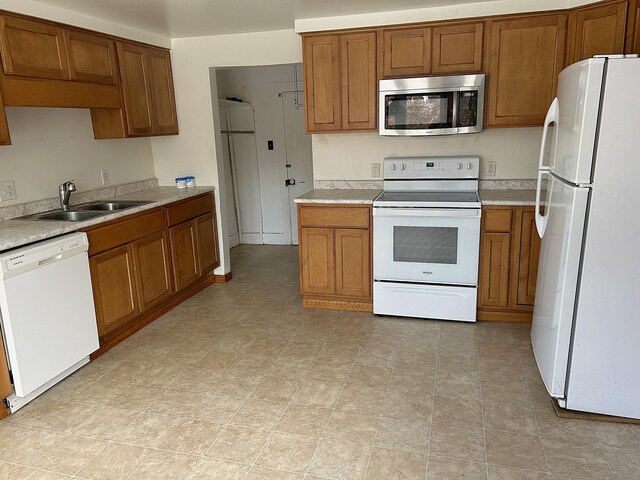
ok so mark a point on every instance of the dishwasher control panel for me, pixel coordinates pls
(39, 254)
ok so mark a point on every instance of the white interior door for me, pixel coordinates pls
(299, 159)
(245, 165)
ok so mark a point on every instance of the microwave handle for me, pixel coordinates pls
(454, 120)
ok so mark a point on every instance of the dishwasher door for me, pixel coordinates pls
(48, 317)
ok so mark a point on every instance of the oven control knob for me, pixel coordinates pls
(394, 167)
(459, 166)
(469, 166)
(404, 167)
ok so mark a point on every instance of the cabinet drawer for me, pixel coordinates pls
(188, 209)
(334, 216)
(497, 219)
(124, 231)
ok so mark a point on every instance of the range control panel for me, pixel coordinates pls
(431, 168)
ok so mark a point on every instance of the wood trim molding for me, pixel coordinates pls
(224, 278)
(337, 305)
(505, 316)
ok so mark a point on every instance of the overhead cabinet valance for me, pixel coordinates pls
(45, 64)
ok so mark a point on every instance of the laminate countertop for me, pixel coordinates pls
(16, 232)
(507, 196)
(340, 196)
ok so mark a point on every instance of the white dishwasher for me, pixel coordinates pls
(47, 313)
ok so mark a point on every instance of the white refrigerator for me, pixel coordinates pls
(586, 321)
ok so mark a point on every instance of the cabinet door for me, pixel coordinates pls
(457, 48)
(184, 254)
(358, 81)
(5, 380)
(114, 288)
(164, 102)
(153, 269)
(635, 48)
(136, 89)
(5, 138)
(597, 30)
(353, 263)
(92, 58)
(207, 242)
(406, 52)
(322, 82)
(317, 261)
(32, 48)
(495, 258)
(529, 254)
(525, 57)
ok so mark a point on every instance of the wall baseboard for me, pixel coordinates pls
(223, 278)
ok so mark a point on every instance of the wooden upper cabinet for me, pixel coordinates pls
(526, 56)
(406, 52)
(136, 88)
(317, 261)
(207, 236)
(458, 48)
(161, 84)
(353, 262)
(92, 58)
(358, 81)
(114, 288)
(5, 138)
(153, 269)
(322, 82)
(32, 48)
(598, 30)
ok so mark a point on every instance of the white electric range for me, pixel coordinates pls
(426, 238)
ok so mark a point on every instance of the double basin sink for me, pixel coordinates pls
(85, 211)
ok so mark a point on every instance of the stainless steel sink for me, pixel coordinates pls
(69, 216)
(110, 206)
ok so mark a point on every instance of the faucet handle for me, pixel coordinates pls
(68, 186)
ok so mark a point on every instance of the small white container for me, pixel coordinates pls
(191, 181)
(181, 182)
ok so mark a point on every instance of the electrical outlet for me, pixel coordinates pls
(491, 168)
(375, 170)
(7, 191)
(104, 174)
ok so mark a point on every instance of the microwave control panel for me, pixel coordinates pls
(431, 167)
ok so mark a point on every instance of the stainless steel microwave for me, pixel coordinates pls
(432, 105)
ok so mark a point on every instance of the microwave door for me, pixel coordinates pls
(419, 113)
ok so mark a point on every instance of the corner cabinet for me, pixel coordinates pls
(335, 256)
(340, 81)
(525, 57)
(509, 254)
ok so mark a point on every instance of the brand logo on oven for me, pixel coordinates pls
(428, 273)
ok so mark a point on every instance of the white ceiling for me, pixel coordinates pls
(192, 18)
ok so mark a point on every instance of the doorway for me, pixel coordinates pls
(268, 159)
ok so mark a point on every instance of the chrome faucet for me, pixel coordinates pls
(64, 191)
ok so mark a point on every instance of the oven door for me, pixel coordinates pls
(426, 245)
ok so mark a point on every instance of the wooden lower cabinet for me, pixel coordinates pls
(207, 236)
(184, 254)
(335, 256)
(114, 288)
(5, 378)
(153, 269)
(509, 254)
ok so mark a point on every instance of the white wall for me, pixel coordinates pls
(514, 149)
(51, 145)
(196, 150)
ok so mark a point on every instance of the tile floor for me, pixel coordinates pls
(240, 383)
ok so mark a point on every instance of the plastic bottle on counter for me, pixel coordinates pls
(181, 182)
(191, 181)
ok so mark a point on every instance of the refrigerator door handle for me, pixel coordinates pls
(541, 220)
(552, 116)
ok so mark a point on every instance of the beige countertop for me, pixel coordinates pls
(507, 196)
(339, 195)
(16, 232)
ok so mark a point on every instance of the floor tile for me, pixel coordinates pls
(352, 427)
(285, 451)
(388, 464)
(456, 411)
(457, 442)
(401, 434)
(136, 397)
(510, 417)
(192, 437)
(304, 420)
(441, 468)
(317, 394)
(238, 444)
(407, 405)
(198, 380)
(506, 473)
(514, 450)
(106, 424)
(375, 377)
(216, 408)
(340, 460)
(361, 399)
(70, 455)
(236, 384)
(276, 389)
(571, 457)
(261, 473)
(262, 414)
(212, 468)
(329, 372)
(147, 430)
(165, 466)
(114, 462)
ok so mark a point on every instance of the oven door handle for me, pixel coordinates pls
(425, 212)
